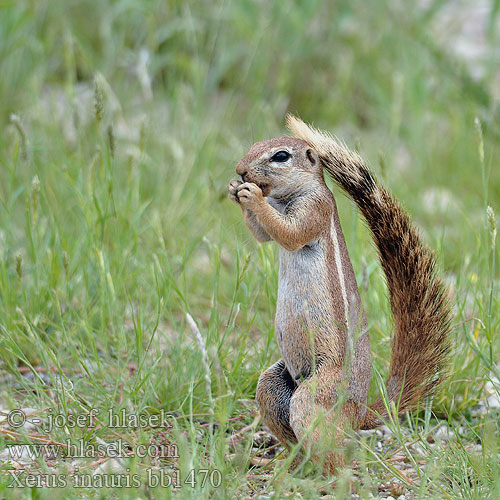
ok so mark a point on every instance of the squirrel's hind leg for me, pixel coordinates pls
(317, 416)
(274, 392)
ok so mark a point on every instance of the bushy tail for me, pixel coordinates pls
(418, 297)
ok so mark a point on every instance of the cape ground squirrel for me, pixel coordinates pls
(320, 324)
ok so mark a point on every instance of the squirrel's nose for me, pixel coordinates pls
(241, 168)
(241, 171)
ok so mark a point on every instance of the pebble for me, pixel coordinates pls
(112, 466)
(385, 430)
(442, 433)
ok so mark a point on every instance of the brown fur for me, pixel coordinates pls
(320, 325)
(418, 297)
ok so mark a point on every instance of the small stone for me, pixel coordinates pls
(112, 466)
(368, 432)
(494, 401)
(442, 433)
(385, 430)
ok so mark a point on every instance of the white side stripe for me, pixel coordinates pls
(338, 262)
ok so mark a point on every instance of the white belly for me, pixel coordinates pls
(304, 306)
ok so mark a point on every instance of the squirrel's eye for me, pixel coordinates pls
(281, 156)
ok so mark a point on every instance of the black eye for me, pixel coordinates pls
(281, 156)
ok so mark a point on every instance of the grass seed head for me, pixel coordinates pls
(19, 266)
(98, 100)
(479, 131)
(23, 138)
(35, 196)
(111, 140)
(490, 214)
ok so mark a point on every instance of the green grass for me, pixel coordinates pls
(121, 124)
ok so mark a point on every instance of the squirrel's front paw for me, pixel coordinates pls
(232, 187)
(250, 195)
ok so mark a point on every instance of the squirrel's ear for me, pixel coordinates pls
(312, 157)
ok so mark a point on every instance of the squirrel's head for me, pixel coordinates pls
(280, 167)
